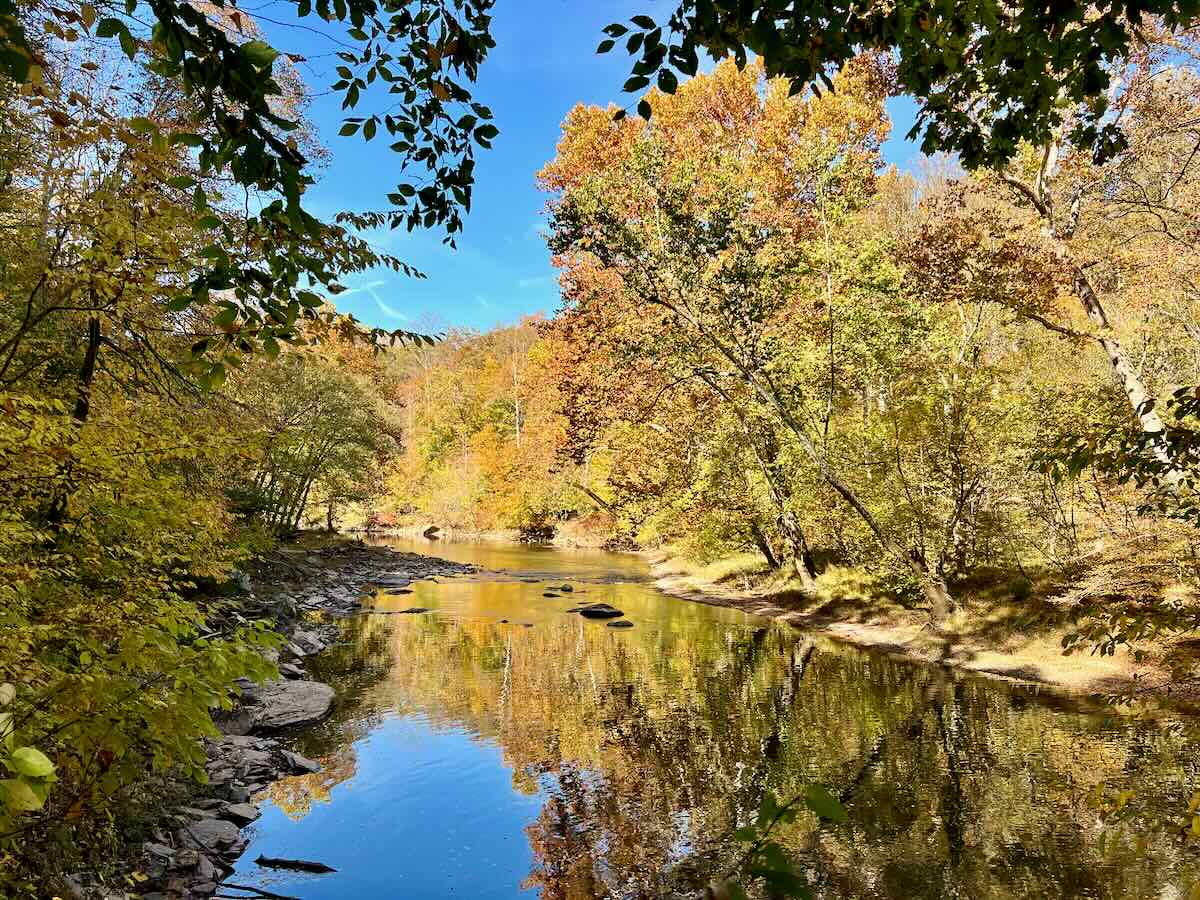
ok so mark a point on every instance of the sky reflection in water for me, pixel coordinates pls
(472, 758)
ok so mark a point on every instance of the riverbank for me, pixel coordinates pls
(997, 640)
(193, 839)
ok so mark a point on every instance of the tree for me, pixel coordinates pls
(715, 222)
(1110, 235)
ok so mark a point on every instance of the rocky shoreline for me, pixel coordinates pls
(195, 845)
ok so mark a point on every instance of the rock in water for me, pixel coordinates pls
(240, 813)
(285, 704)
(600, 611)
(300, 765)
(567, 588)
(623, 623)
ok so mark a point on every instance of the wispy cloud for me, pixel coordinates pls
(369, 290)
(527, 283)
(362, 288)
(484, 302)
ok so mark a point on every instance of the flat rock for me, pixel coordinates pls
(307, 641)
(623, 623)
(213, 835)
(300, 765)
(240, 813)
(600, 611)
(285, 704)
(412, 610)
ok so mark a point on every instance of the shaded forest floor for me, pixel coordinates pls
(989, 633)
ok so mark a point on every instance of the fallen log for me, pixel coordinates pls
(299, 865)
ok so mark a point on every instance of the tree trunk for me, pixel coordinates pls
(802, 558)
(777, 486)
(1127, 375)
(87, 373)
(764, 545)
(593, 496)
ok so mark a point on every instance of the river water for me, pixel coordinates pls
(551, 756)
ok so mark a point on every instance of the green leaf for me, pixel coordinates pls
(31, 762)
(667, 82)
(636, 83)
(18, 795)
(109, 27)
(643, 21)
(259, 53)
(127, 43)
(605, 46)
(643, 109)
(824, 804)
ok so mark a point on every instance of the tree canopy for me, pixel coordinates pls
(986, 75)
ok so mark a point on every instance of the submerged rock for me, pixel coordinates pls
(550, 595)
(567, 588)
(623, 623)
(413, 610)
(600, 611)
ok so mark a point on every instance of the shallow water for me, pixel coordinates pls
(555, 757)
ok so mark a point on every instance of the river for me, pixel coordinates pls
(551, 756)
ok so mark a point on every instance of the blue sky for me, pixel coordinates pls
(544, 63)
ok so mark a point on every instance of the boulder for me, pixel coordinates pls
(285, 704)
(600, 611)
(300, 765)
(240, 813)
(211, 835)
(307, 641)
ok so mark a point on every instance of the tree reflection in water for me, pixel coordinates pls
(650, 746)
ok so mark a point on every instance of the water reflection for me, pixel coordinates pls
(470, 757)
